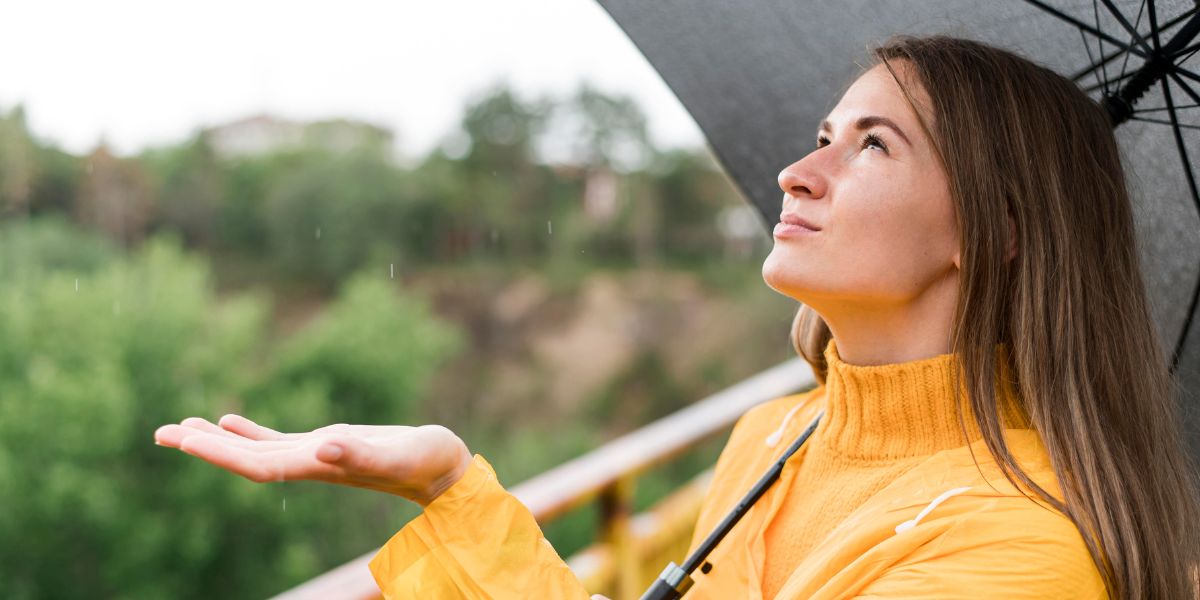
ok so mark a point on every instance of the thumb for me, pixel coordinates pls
(346, 452)
(331, 452)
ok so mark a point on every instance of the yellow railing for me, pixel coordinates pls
(630, 549)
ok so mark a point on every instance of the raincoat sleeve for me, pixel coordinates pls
(475, 541)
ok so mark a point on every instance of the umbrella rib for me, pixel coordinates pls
(1099, 46)
(1177, 20)
(1130, 29)
(1159, 121)
(1092, 60)
(1187, 169)
(1187, 89)
(1095, 87)
(1172, 23)
(1190, 51)
(1136, 23)
(1104, 60)
(1154, 28)
(1187, 74)
(1088, 28)
(1123, 50)
(1162, 108)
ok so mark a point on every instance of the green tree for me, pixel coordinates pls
(501, 199)
(19, 167)
(605, 131)
(690, 192)
(241, 223)
(101, 348)
(57, 186)
(328, 216)
(34, 177)
(371, 351)
(189, 183)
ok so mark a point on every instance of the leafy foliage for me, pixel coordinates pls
(189, 280)
(87, 374)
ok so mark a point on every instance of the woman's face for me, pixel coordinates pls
(877, 196)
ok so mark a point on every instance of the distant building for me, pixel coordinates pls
(264, 134)
(260, 134)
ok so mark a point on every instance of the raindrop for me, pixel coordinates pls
(285, 505)
(549, 228)
(77, 284)
(392, 271)
(318, 233)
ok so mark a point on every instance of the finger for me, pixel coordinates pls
(247, 428)
(231, 458)
(296, 463)
(351, 454)
(207, 426)
(172, 435)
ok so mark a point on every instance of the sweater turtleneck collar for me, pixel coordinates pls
(896, 411)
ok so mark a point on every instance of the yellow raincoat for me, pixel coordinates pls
(884, 501)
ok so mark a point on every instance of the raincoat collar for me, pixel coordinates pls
(901, 410)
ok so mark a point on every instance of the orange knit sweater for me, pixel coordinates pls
(879, 423)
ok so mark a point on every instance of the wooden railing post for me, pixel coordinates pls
(616, 512)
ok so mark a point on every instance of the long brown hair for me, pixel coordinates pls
(1018, 140)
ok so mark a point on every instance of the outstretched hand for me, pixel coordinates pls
(416, 463)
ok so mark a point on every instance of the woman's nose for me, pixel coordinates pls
(799, 181)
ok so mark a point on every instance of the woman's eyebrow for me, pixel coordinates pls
(869, 122)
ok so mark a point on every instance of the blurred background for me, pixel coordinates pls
(492, 216)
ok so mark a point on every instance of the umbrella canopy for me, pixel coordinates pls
(759, 75)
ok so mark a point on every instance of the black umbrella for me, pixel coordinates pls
(758, 75)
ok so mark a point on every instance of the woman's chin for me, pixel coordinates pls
(776, 272)
(778, 278)
(784, 277)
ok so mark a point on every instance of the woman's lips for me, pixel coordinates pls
(792, 230)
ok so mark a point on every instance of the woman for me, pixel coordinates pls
(998, 418)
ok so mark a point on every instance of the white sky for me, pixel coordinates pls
(143, 72)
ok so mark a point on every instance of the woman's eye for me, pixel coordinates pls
(873, 140)
(868, 140)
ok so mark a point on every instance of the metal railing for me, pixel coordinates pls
(609, 474)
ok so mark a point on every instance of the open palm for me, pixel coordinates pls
(417, 463)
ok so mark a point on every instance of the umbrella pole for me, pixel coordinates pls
(675, 580)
